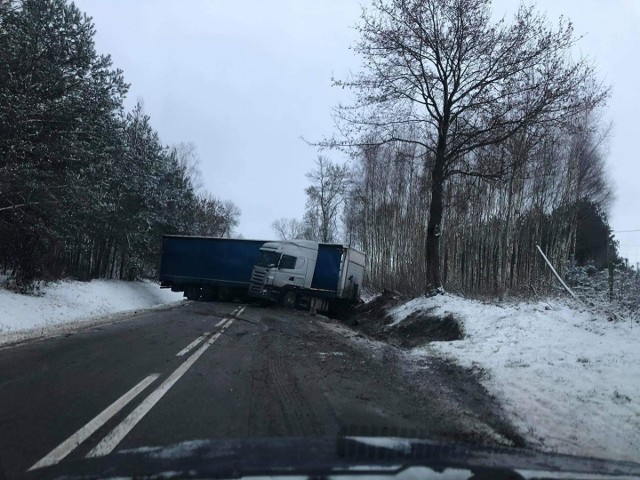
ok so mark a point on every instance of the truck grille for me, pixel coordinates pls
(257, 281)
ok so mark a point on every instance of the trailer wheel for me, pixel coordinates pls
(225, 294)
(289, 299)
(208, 294)
(192, 292)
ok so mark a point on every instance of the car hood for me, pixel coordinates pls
(384, 457)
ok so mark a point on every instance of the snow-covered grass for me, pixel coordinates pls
(592, 287)
(568, 378)
(71, 301)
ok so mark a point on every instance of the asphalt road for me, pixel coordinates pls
(221, 371)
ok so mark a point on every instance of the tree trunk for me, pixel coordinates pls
(114, 259)
(434, 281)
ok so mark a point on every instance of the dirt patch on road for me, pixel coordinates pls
(459, 407)
(331, 377)
(466, 398)
(457, 391)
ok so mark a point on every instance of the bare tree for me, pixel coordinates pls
(326, 195)
(214, 217)
(441, 75)
(288, 228)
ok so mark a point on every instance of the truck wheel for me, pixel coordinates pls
(192, 292)
(289, 299)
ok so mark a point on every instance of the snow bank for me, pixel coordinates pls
(367, 297)
(71, 301)
(569, 379)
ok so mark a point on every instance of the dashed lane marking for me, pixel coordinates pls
(193, 344)
(238, 311)
(66, 447)
(113, 438)
(117, 434)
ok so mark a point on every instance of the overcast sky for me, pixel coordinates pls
(243, 80)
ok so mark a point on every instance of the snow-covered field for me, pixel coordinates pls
(568, 378)
(65, 302)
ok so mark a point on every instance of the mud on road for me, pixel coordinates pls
(315, 376)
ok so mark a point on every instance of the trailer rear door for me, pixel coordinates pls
(327, 273)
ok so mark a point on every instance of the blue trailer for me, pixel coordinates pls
(208, 268)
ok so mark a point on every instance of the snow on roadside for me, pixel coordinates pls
(368, 296)
(71, 301)
(568, 379)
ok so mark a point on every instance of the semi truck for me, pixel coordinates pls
(208, 268)
(320, 276)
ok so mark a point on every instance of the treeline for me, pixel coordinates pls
(86, 188)
(555, 196)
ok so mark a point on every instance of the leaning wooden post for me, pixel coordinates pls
(556, 273)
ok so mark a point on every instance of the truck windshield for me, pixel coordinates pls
(268, 259)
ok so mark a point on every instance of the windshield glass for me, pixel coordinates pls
(268, 259)
(243, 220)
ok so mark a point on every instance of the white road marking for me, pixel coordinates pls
(192, 345)
(66, 447)
(114, 437)
(235, 313)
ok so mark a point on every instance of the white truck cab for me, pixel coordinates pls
(304, 271)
